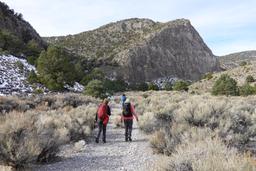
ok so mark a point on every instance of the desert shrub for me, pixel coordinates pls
(54, 102)
(153, 86)
(55, 68)
(158, 141)
(8, 104)
(243, 63)
(180, 86)
(208, 76)
(247, 90)
(95, 88)
(36, 136)
(147, 122)
(43, 102)
(225, 85)
(173, 115)
(206, 153)
(250, 79)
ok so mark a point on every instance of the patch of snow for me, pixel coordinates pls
(160, 82)
(12, 79)
(75, 88)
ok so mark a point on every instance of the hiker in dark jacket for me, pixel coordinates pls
(123, 98)
(128, 116)
(102, 117)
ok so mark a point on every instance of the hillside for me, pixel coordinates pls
(141, 50)
(233, 60)
(239, 74)
(17, 36)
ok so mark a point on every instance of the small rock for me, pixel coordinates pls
(79, 145)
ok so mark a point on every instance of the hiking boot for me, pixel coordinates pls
(97, 140)
(126, 139)
(130, 139)
(104, 141)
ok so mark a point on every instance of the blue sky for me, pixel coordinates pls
(226, 25)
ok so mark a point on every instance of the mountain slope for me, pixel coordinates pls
(233, 60)
(16, 35)
(140, 50)
(239, 74)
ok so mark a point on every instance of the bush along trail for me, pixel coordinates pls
(116, 154)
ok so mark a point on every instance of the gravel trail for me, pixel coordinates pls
(116, 154)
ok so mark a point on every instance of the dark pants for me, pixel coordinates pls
(128, 128)
(102, 127)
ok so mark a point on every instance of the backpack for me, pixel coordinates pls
(102, 111)
(127, 110)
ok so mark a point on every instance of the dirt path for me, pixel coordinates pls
(116, 154)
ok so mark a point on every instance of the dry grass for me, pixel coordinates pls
(36, 135)
(199, 132)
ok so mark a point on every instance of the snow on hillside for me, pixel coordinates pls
(13, 77)
(13, 72)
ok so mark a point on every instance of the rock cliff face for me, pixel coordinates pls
(140, 50)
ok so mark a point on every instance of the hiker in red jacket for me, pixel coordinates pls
(102, 117)
(127, 117)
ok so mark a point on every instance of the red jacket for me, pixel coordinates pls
(102, 113)
(133, 114)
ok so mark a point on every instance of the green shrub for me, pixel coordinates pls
(208, 76)
(11, 43)
(180, 86)
(139, 86)
(56, 68)
(167, 86)
(20, 65)
(247, 90)
(113, 86)
(225, 85)
(95, 74)
(38, 91)
(250, 79)
(33, 48)
(32, 77)
(96, 89)
(243, 63)
(152, 86)
(31, 60)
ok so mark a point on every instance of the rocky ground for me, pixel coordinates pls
(116, 154)
(13, 73)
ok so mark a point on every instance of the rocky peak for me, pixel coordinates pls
(140, 50)
(129, 25)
